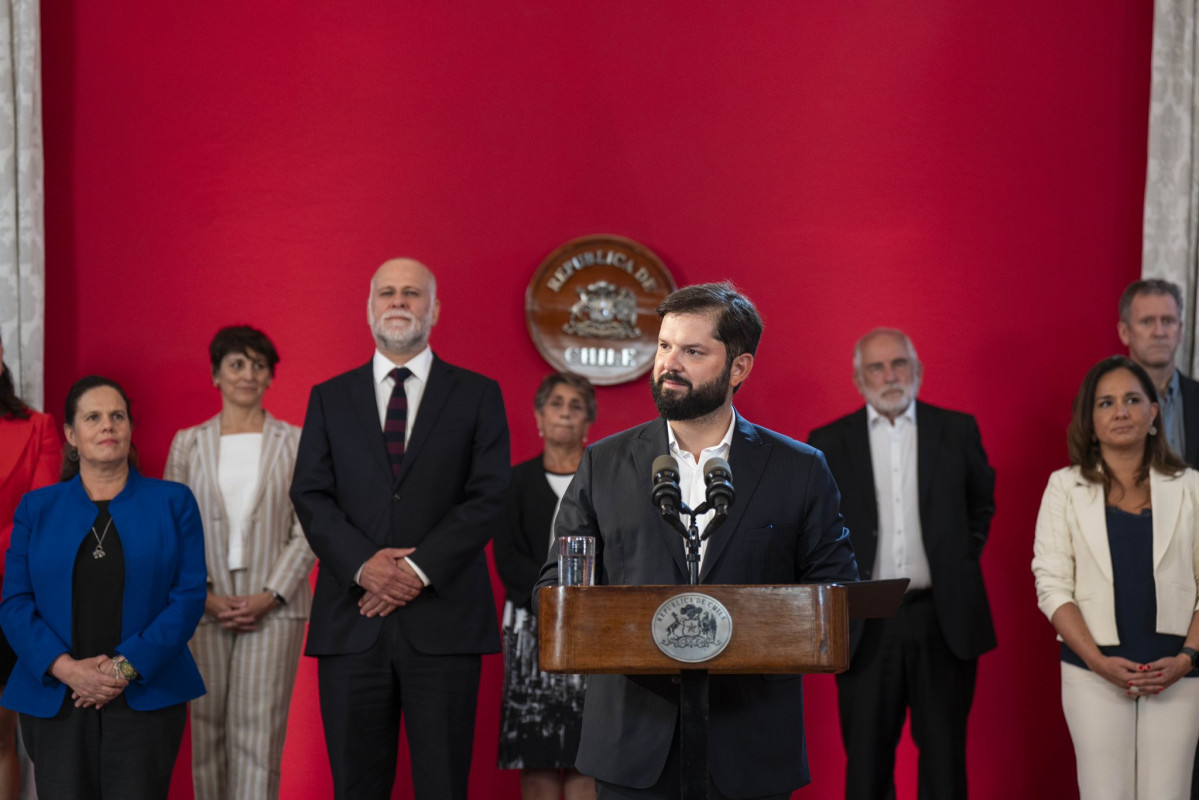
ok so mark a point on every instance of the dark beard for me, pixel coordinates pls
(693, 404)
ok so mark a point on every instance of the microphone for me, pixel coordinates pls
(719, 479)
(667, 496)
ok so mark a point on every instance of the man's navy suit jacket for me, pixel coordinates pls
(446, 502)
(1190, 418)
(784, 527)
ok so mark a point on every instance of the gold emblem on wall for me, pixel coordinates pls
(591, 308)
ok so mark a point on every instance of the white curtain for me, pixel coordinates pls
(22, 190)
(1171, 226)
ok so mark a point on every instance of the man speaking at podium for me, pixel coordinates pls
(784, 527)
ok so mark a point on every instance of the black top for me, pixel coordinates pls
(99, 589)
(522, 545)
(1130, 540)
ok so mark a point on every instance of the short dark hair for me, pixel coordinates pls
(1148, 286)
(576, 382)
(1080, 435)
(70, 467)
(738, 323)
(241, 339)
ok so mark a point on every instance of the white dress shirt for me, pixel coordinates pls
(414, 385)
(691, 475)
(414, 390)
(900, 551)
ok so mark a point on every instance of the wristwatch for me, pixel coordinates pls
(123, 669)
(1192, 654)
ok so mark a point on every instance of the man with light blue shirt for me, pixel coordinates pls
(1150, 327)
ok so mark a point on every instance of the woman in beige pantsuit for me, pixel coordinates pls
(239, 465)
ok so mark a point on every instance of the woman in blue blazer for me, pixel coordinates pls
(104, 585)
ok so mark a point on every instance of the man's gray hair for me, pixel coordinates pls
(896, 332)
(1158, 286)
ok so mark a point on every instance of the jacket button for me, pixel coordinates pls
(396, 497)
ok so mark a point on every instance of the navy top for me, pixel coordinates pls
(1130, 540)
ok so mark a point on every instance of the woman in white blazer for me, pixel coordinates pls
(1116, 560)
(239, 466)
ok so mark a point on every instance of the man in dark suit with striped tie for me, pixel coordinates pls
(400, 480)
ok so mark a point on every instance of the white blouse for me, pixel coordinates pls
(237, 472)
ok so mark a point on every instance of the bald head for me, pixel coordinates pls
(402, 308)
(404, 269)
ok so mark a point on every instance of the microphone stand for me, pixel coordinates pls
(694, 711)
(692, 536)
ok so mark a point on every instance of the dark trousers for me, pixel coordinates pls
(362, 698)
(901, 663)
(115, 753)
(668, 785)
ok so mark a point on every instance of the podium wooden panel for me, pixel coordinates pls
(776, 629)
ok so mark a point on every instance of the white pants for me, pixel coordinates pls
(1126, 748)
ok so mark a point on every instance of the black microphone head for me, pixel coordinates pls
(716, 464)
(718, 476)
(667, 496)
(664, 464)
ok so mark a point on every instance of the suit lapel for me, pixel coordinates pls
(747, 458)
(1092, 521)
(273, 435)
(651, 443)
(857, 444)
(208, 442)
(432, 402)
(928, 448)
(366, 409)
(1165, 496)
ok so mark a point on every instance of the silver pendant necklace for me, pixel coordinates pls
(99, 551)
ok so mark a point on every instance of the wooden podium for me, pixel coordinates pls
(775, 629)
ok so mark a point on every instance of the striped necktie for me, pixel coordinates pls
(395, 424)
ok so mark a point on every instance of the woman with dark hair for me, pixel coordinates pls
(29, 459)
(1116, 560)
(541, 714)
(239, 464)
(104, 585)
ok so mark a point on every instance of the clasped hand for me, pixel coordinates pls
(389, 581)
(1139, 680)
(91, 680)
(239, 613)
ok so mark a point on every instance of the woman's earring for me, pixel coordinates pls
(72, 454)
(1153, 430)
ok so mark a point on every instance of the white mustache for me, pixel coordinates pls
(404, 315)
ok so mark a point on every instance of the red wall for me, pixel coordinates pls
(969, 172)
